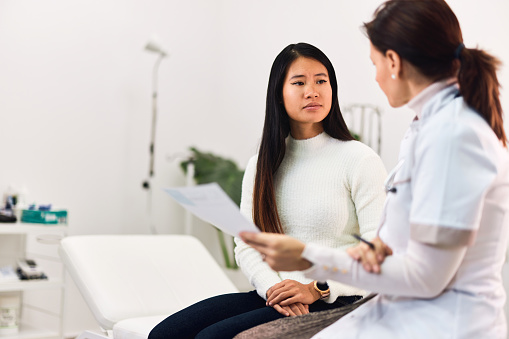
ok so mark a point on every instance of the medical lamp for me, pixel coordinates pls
(153, 47)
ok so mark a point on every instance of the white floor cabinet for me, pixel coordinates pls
(41, 309)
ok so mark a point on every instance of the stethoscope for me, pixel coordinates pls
(389, 182)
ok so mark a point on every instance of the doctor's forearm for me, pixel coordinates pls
(423, 271)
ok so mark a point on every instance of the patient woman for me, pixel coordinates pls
(310, 180)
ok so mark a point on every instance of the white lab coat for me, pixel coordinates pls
(451, 190)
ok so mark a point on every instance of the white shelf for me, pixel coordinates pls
(39, 319)
(27, 285)
(23, 228)
(29, 332)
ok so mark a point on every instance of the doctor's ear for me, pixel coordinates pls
(394, 61)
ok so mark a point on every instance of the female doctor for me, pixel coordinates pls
(446, 218)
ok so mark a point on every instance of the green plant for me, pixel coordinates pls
(209, 168)
(356, 136)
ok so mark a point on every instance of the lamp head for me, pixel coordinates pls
(153, 46)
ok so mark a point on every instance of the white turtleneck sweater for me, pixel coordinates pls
(326, 190)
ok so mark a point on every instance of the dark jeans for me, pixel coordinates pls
(224, 316)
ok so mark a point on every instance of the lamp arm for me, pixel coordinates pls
(154, 115)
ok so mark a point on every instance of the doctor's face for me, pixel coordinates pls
(307, 96)
(389, 82)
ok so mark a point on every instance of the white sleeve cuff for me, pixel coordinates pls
(324, 263)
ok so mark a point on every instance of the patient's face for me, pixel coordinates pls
(307, 94)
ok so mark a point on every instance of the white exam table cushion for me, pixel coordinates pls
(131, 276)
(136, 328)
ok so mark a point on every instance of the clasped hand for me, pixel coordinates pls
(291, 298)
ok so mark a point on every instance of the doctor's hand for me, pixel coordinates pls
(370, 259)
(289, 291)
(280, 252)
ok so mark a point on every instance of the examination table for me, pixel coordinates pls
(132, 282)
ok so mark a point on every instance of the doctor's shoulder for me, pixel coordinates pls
(461, 124)
(452, 135)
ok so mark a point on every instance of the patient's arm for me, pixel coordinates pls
(259, 274)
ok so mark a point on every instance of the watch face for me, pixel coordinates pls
(323, 289)
(322, 286)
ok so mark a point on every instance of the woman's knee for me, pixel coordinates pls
(158, 332)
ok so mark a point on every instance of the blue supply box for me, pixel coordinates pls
(44, 217)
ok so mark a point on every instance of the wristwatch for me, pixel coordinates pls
(322, 288)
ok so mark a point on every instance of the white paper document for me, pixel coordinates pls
(211, 204)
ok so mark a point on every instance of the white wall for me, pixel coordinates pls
(75, 91)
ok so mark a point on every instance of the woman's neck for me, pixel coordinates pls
(307, 131)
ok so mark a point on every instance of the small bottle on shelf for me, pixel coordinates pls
(9, 313)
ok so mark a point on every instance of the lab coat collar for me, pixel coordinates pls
(423, 104)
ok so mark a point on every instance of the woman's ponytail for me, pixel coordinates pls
(479, 87)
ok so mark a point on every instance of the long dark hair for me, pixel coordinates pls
(277, 127)
(428, 35)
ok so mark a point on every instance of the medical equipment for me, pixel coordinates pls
(28, 269)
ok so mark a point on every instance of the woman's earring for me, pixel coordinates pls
(393, 76)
